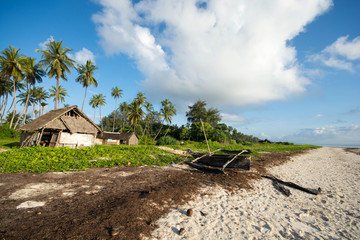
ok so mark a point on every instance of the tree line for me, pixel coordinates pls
(19, 76)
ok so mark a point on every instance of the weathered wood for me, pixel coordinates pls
(228, 162)
(282, 189)
(204, 168)
(293, 185)
(202, 156)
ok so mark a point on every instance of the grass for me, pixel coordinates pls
(43, 159)
(10, 143)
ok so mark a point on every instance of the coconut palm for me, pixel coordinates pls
(12, 65)
(124, 108)
(58, 94)
(94, 104)
(136, 113)
(100, 101)
(57, 62)
(115, 93)
(33, 74)
(86, 77)
(5, 91)
(140, 98)
(167, 111)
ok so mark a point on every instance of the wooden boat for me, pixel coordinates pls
(230, 159)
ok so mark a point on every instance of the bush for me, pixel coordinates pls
(6, 132)
(146, 140)
(167, 140)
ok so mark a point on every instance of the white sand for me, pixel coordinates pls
(267, 214)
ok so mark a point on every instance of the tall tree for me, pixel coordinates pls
(58, 94)
(33, 74)
(115, 93)
(140, 98)
(124, 108)
(86, 77)
(199, 112)
(94, 104)
(57, 62)
(100, 101)
(167, 111)
(135, 113)
(12, 65)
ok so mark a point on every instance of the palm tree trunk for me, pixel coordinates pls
(84, 99)
(14, 111)
(101, 119)
(115, 115)
(24, 119)
(4, 103)
(57, 91)
(94, 114)
(7, 112)
(162, 124)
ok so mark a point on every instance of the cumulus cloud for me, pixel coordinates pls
(341, 54)
(83, 55)
(234, 52)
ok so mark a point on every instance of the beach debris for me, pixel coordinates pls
(203, 214)
(189, 212)
(291, 184)
(282, 189)
(114, 231)
(182, 231)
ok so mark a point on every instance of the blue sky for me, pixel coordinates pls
(282, 70)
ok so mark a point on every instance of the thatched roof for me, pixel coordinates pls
(116, 136)
(70, 118)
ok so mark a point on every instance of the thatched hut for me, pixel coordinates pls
(66, 126)
(109, 138)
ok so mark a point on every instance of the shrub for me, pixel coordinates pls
(6, 132)
(146, 140)
(167, 140)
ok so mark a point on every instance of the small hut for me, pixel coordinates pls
(66, 126)
(109, 138)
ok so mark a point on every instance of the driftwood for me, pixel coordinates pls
(228, 162)
(293, 185)
(205, 155)
(282, 189)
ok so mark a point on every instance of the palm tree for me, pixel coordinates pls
(58, 94)
(40, 95)
(124, 108)
(5, 91)
(86, 77)
(57, 63)
(12, 66)
(150, 113)
(115, 93)
(100, 101)
(33, 73)
(167, 111)
(140, 98)
(136, 113)
(94, 104)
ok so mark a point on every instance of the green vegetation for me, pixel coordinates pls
(42, 159)
(167, 140)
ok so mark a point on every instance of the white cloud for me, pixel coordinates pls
(231, 118)
(336, 135)
(43, 44)
(234, 52)
(83, 55)
(319, 115)
(343, 47)
(341, 54)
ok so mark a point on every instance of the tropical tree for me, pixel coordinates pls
(12, 66)
(198, 112)
(33, 74)
(124, 108)
(100, 101)
(94, 104)
(58, 93)
(167, 111)
(115, 93)
(140, 98)
(57, 62)
(5, 91)
(135, 113)
(86, 77)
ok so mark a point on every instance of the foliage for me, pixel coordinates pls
(199, 112)
(86, 76)
(167, 140)
(146, 140)
(42, 159)
(7, 132)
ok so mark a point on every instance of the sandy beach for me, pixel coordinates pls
(265, 213)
